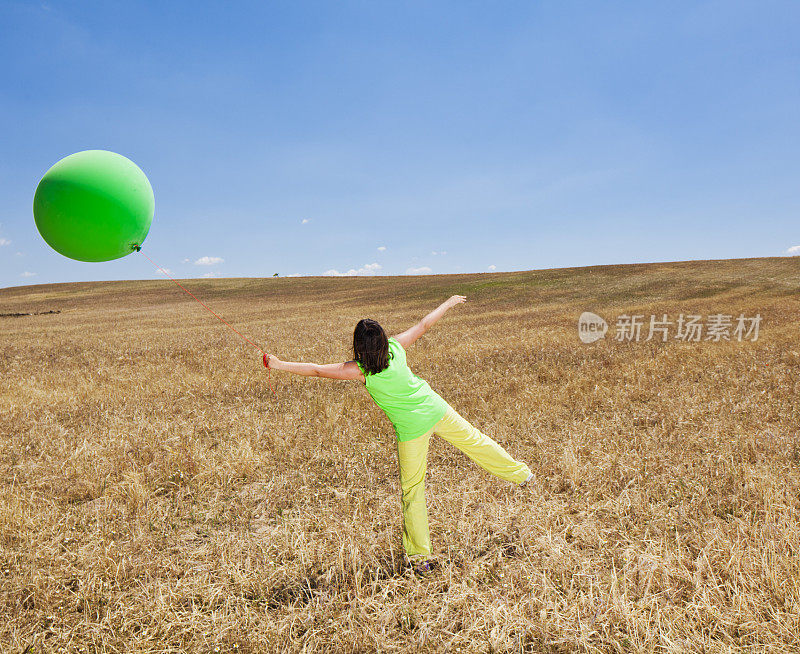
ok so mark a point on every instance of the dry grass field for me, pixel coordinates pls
(156, 497)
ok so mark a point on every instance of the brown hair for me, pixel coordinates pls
(371, 346)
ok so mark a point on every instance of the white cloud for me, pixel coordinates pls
(19, 254)
(294, 275)
(28, 274)
(167, 270)
(440, 253)
(492, 267)
(367, 269)
(186, 261)
(209, 275)
(382, 248)
(422, 270)
(795, 249)
(305, 221)
(4, 241)
(209, 261)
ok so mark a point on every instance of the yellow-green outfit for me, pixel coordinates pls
(416, 412)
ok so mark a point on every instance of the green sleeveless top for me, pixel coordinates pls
(408, 401)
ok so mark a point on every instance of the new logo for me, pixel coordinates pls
(591, 327)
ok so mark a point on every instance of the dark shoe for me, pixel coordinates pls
(423, 568)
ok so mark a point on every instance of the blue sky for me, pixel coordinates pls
(303, 137)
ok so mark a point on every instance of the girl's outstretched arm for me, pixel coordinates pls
(412, 334)
(347, 370)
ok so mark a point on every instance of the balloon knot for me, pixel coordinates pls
(136, 247)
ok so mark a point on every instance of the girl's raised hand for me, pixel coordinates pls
(456, 299)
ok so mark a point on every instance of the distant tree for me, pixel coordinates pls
(275, 275)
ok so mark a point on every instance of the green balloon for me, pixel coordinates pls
(94, 206)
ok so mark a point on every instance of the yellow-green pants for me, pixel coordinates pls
(413, 455)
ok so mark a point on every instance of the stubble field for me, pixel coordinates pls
(155, 496)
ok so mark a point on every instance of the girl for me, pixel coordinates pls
(416, 412)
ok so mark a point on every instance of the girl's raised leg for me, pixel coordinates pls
(488, 454)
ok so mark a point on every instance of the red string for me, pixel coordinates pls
(220, 318)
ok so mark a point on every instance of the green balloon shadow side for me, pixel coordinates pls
(94, 206)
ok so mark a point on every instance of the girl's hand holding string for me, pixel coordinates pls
(271, 361)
